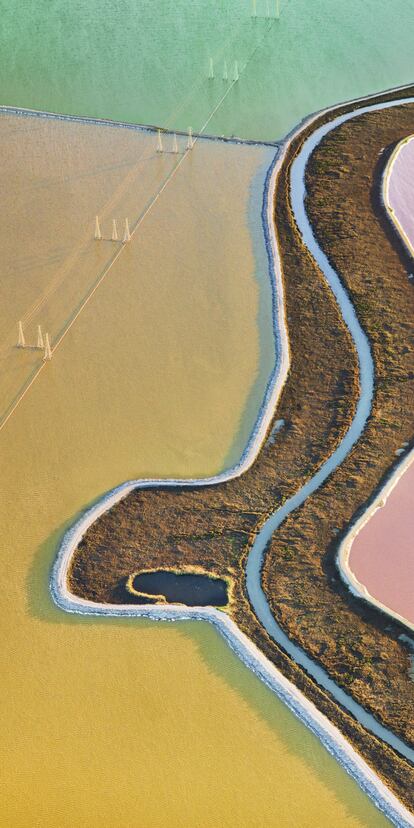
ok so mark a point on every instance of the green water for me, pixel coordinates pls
(147, 62)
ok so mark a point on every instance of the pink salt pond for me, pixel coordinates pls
(382, 554)
(399, 190)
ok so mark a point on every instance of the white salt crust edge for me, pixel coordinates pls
(344, 550)
(328, 734)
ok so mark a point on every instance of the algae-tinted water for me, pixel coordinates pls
(148, 62)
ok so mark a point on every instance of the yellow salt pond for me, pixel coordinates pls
(124, 722)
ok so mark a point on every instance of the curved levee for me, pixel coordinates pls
(331, 737)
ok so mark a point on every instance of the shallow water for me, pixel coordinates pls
(109, 722)
(187, 588)
(148, 62)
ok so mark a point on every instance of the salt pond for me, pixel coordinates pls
(184, 322)
(399, 190)
(381, 556)
(109, 722)
(148, 62)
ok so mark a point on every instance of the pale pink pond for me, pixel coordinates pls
(401, 189)
(382, 554)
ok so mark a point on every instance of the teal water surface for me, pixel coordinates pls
(147, 62)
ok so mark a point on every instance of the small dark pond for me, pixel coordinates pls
(186, 588)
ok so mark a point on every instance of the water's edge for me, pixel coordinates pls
(385, 193)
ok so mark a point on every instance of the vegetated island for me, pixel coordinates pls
(213, 528)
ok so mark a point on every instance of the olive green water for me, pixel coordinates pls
(146, 61)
